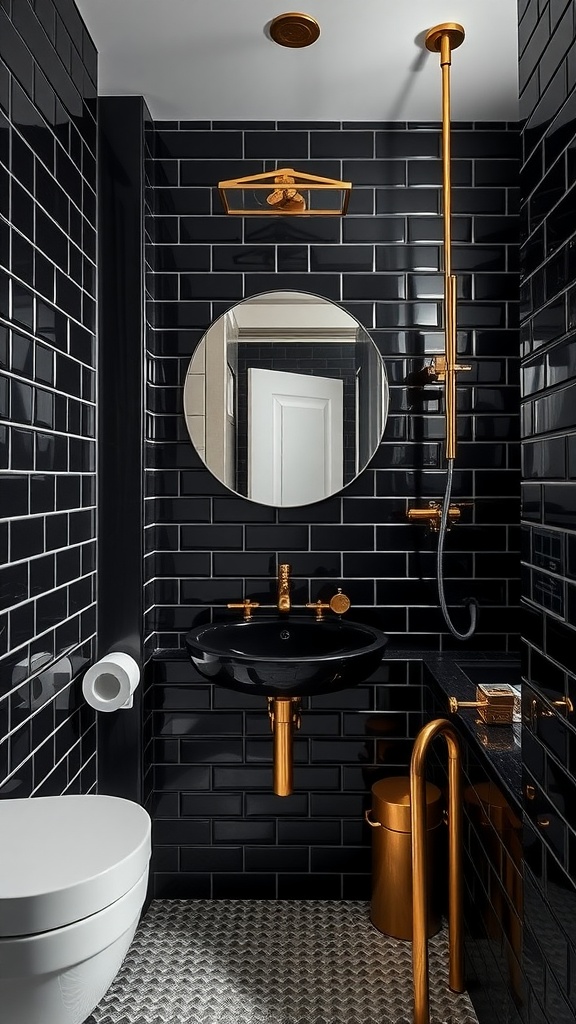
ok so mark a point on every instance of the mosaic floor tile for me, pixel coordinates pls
(272, 962)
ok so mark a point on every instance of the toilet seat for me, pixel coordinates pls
(65, 858)
(26, 956)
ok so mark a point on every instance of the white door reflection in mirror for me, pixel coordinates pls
(332, 420)
(295, 437)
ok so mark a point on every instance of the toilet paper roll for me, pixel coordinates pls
(109, 684)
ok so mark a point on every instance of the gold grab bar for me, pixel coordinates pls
(438, 727)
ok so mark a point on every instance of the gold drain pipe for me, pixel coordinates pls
(284, 715)
(439, 727)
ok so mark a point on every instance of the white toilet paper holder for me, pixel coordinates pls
(109, 684)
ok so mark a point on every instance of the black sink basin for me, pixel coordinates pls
(292, 656)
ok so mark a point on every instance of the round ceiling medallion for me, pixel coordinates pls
(294, 29)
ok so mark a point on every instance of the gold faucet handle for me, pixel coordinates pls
(319, 607)
(340, 602)
(454, 704)
(247, 605)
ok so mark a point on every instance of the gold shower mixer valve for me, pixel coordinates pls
(436, 370)
(433, 514)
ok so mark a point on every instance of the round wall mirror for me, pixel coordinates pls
(286, 398)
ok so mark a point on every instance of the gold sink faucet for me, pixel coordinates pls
(284, 587)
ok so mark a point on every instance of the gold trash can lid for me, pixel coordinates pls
(391, 804)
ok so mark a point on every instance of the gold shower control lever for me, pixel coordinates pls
(433, 514)
(495, 704)
(247, 605)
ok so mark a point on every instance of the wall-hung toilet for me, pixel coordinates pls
(73, 879)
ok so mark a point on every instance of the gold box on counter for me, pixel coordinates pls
(495, 703)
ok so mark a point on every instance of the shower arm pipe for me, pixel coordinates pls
(444, 38)
(438, 727)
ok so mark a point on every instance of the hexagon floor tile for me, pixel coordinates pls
(272, 962)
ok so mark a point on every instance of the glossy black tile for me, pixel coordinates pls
(181, 144)
(342, 144)
(543, 182)
(398, 143)
(276, 145)
(369, 229)
(397, 201)
(209, 172)
(333, 538)
(38, 212)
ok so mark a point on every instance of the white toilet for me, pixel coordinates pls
(73, 878)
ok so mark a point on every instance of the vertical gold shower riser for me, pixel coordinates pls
(445, 38)
(449, 304)
(439, 727)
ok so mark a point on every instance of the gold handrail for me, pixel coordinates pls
(438, 727)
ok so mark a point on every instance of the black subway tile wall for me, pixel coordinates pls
(548, 195)
(47, 397)
(383, 263)
(219, 829)
(493, 853)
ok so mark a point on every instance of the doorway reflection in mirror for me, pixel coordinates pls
(286, 398)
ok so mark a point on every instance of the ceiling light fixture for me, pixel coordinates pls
(285, 191)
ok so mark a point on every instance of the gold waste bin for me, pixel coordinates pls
(391, 907)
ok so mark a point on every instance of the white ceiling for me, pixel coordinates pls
(213, 60)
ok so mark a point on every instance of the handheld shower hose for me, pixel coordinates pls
(473, 604)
